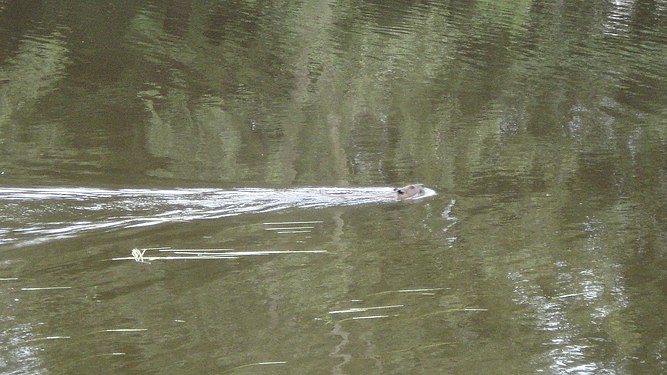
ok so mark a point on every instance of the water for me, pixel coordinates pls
(175, 128)
(77, 210)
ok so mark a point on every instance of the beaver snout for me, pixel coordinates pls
(409, 191)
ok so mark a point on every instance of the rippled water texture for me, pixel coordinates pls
(81, 210)
(158, 161)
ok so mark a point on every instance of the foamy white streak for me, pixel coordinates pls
(31, 209)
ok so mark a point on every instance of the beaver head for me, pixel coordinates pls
(409, 191)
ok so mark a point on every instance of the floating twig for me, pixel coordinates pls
(138, 255)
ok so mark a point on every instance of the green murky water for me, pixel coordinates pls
(143, 125)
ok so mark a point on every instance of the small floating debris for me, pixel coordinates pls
(138, 255)
(46, 288)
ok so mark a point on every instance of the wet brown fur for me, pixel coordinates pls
(409, 191)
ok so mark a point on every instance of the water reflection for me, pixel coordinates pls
(541, 125)
(23, 358)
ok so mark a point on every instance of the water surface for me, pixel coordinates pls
(41, 214)
(541, 125)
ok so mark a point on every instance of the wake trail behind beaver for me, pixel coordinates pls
(34, 215)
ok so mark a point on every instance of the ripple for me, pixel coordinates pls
(49, 213)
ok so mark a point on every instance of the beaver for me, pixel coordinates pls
(409, 191)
